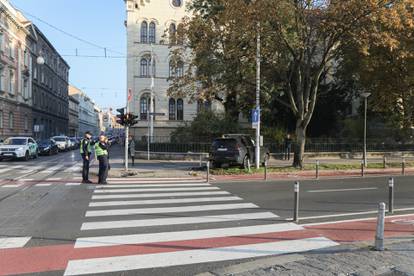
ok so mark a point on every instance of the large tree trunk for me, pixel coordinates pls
(299, 150)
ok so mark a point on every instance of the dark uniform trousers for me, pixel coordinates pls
(103, 168)
(85, 167)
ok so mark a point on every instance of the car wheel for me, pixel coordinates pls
(26, 156)
(246, 162)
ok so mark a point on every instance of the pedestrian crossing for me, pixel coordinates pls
(175, 224)
(13, 242)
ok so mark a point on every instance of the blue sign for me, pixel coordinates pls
(255, 117)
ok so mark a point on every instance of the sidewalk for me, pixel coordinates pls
(353, 256)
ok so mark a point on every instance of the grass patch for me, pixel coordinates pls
(308, 167)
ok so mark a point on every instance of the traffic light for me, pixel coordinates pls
(130, 119)
(121, 116)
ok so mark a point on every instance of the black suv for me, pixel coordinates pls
(235, 149)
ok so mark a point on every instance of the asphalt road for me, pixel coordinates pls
(42, 200)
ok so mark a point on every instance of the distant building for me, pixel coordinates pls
(99, 119)
(73, 117)
(153, 25)
(15, 73)
(87, 115)
(50, 88)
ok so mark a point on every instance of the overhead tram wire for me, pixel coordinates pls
(106, 49)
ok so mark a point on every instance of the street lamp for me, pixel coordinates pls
(365, 97)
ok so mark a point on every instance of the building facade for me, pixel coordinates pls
(15, 73)
(73, 117)
(50, 88)
(87, 115)
(147, 24)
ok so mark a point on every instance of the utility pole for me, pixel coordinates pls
(365, 97)
(258, 61)
(152, 96)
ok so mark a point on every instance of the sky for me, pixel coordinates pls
(100, 22)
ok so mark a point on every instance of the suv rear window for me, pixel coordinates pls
(225, 143)
(59, 139)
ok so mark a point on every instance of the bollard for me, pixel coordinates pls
(317, 169)
(403, 166)
(362, 169)
(296, 198)
(208, 171)
(391, 195)
(265, 170)
(384, 162)
(379, 236)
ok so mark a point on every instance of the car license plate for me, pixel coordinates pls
(222, 149)
(7, 153)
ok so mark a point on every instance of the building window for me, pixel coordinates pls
(176, 69)
(11, 82)
(172, 33)
(2, 79)
(177, 3)
(180, 110)
(145, 106)
(145, 65)
(171, 109)
(26, 123)
(1, 119)
(11, 120)
(144, 32)
(152, 32)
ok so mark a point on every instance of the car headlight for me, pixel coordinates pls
(20, 149)
(47, 148)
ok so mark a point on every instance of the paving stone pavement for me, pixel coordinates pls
(351, 259)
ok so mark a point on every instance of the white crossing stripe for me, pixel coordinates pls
(54, 179)
(17, 242)
(12, 186)
(5, 170)
(165, 210)
(109, 191)
(154, 181)
(152, 185)
(175, 221)
(184, 235)
(72, 184)
(94, 197)
(162, 201)
(125, 263)
(43, 185)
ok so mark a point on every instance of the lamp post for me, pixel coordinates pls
(365, 97)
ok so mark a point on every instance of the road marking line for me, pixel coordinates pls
(184, 235)
(6, 243)
(175, 221)
(12, 186)
(353, 220)
(125, 263)
(165, 210)
(43, 185)
(72, 184)
(27, 179)
(54, 179)
(94, 197)
(153, 185)
(163, 201)
(136, 190)
(342, 190)
(336, 215)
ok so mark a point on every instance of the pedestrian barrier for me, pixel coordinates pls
(379, 236)
(296, 200)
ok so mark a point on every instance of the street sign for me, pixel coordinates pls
(255, 117)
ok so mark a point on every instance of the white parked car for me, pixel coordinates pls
(19, 147)
(62, 142)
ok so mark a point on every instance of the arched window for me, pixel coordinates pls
(180, 34)
(152, 29)
(171, 109)
(180, 110)
(177, 3)
(176, 68)
(144, 105)
(144, 68)
(172, 33)
(145, 65)
(144, 32)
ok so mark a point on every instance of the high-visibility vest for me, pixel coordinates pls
(88, 147)
(99, 151)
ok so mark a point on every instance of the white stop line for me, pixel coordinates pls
(403, 221)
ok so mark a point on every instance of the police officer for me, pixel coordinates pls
(85, 151)
(101, 152)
